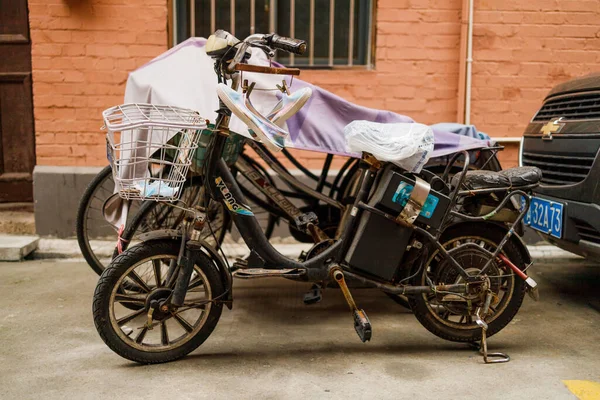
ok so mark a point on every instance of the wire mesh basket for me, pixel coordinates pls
(146, 162)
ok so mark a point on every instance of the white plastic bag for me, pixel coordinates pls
(407, 145)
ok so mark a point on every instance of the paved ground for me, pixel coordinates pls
(272, 346)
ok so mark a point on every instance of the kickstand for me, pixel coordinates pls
(488, 358)
(491, 358)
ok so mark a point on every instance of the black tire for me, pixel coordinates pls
(106, 287)
(99, 189)
(489, 235)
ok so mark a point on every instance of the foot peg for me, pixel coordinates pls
(238, 264)
(313, 296)
(361, 321)
(252, 273)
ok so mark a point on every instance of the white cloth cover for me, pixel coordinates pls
(408, 145)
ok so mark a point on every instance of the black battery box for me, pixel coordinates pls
(379, 244)
(393, 192)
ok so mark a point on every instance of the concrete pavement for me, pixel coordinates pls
(272, 346)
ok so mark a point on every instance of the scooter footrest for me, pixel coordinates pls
(362, 325)
(252, 273)
(313, 296)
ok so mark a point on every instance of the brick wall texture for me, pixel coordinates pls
(82, 51)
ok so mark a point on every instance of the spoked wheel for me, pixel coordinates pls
(130, 288)
(91, 224)
(451, 317)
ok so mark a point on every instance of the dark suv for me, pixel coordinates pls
(562, 140)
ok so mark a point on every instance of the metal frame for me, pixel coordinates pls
(318, 268)
(222, 186)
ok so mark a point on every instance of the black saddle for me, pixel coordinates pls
(512, 177)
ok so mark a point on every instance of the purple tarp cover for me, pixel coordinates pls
(184, 76)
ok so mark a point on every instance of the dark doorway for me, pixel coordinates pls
(17, 138)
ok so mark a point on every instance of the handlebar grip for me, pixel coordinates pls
(290, 45)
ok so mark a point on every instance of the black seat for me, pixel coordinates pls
(512, 177)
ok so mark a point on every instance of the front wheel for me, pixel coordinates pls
(136, 278)
(448, 316)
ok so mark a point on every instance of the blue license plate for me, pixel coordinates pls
(545, 216)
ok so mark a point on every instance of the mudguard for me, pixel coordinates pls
(207, 249)
(515, 238)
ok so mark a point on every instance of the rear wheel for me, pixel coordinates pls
(450, 319)
(128, 287)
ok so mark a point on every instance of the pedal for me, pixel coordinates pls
(361, 321)
(362, 325)
(253, 273)
(313, 296)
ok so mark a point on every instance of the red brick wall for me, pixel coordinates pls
(82, 51)
(416, 63)
(521, 50)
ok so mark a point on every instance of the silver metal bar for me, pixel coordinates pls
(292, 25)
(370, 41)
(331, 30)
(232, 17)
(174, 24)
(311, 35)
(252, 17)
(351, 34)
(271, 16)
(213, 13)
(192, 18)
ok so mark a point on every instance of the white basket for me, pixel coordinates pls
(150, 149)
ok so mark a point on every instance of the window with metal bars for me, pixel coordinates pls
(337, 32)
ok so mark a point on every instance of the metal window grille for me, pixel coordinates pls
(338, 32)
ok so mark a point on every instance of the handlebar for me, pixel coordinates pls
(290, 45)
(273, 41)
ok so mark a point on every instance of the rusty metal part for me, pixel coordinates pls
(371, 160)
(491, 358)
(148, 324)
(362, 325)
(488, 358)
(317, 233)
(253, 273)
(283, 87)
(338, 275)
(409, 289)
(416, 201)
(267, 70)
(318, 249)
